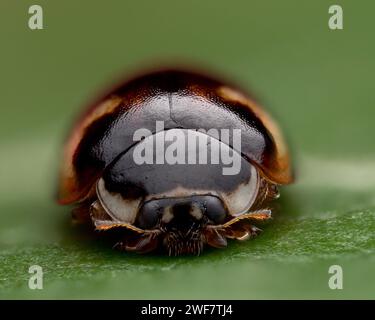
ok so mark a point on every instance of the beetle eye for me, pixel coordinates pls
(118, 208)
(214, 209)
(148, 215)
(241, 199)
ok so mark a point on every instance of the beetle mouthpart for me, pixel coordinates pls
(183, 231)
(177, 244)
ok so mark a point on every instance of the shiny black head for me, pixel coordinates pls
(182, 220)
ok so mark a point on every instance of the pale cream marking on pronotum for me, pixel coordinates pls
(181, 192)
(98, 213)
(240, 200)
(167, 215)
(120, 209)
(195, 211)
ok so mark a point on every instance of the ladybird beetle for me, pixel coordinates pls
(121, 163)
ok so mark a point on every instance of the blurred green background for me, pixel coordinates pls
(318, 83)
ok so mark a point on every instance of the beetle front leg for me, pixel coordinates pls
(240, 227)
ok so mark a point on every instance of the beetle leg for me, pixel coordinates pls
(241, 231)
(142, 244)
(239, 227)
(138, 240)
(215, 238)
(258, 215)
(103, 221)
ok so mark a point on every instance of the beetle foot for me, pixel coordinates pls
(143, 243)
(238, 228)
(241, 232)
(215, 238)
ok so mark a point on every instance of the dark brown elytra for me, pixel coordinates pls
(100, 142)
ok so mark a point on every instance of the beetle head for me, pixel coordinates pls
(182, 221)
